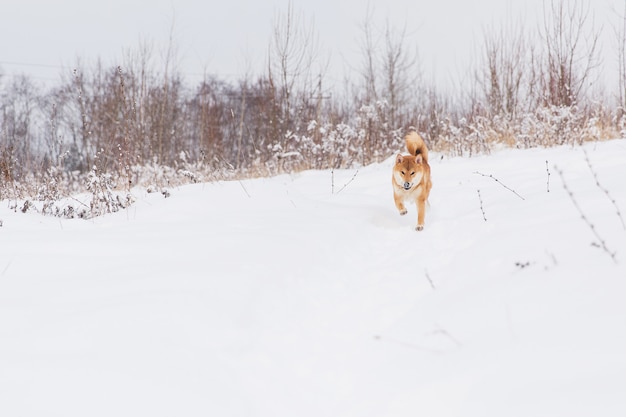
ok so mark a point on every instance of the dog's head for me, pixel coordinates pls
(408, 171)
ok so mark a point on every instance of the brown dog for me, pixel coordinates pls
(411, 177)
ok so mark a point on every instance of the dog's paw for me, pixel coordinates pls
(403, 212)
(419, 227)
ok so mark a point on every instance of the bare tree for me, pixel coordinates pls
(504, 73)
(293, 52)
(571, 51)
(620, 36)
(17, 125)
(401, 74)
(369, 46)
(139, 68)
(168, 95)
(390, 83)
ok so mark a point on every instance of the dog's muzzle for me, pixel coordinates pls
(407, 186)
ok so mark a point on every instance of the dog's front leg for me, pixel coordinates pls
(421, 213)
(399, 204)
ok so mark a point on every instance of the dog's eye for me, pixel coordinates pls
(412, 173)
(402, 172)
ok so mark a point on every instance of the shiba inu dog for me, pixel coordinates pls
(411, 177)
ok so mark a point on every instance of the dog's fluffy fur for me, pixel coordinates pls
(411, 177)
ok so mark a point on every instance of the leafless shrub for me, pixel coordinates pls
(104, 198)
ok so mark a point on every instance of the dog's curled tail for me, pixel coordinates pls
(415, 144)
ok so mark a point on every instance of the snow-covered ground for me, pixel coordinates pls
(279, 297)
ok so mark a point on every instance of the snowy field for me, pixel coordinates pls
(286, 297)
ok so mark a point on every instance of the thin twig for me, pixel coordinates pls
(595, 177)
(289, 197)
(602, 243)
(79, 202)
(481, 205)
(500, 182)
(6, 268)
(432, 284)
(348, 183)
(244, 189)
(548, 171)
(444, 332)
(408, 345)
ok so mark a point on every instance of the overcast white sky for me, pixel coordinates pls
(228, 37)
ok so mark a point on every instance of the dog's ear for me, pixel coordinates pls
(399, 159)
(418, 158)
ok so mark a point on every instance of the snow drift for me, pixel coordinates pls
(308, 295)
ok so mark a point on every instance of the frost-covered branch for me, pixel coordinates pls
(602, 242)
(604, 190)
(548, 182)
(480, 199)
(499, 182)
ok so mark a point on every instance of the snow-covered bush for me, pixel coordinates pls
(104, 197)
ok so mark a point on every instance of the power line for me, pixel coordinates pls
(188, 74)
(63, 67)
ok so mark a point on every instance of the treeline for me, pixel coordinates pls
(140, 122)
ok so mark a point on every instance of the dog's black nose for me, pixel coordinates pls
(407, 185)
